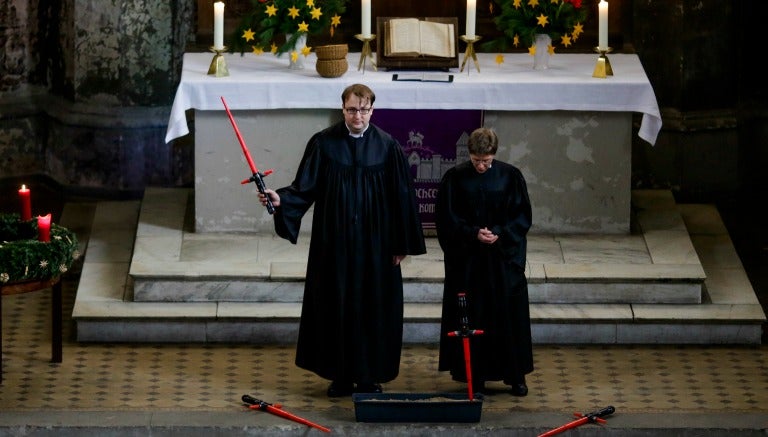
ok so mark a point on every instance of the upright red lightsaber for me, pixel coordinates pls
(465, 333)
(593, 417)
(256, 404)
(257, 177)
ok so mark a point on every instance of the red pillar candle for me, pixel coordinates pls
(26, 203)
(44, 228)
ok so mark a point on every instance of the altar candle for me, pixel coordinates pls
(44, 228)
(218, 26)
(26, 203)
(470, 30)
(366, 18)
(602, 42)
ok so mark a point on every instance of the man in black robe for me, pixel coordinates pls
(482, 218)
(365, 222)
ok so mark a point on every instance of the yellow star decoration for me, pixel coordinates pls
(554, 2)
(294, 56)
(516, 40)
(517, 4)
(306, 50)
(293, 12)
(532, 50)
(257, 50)
(273, 48)
(565, 40)
(578, 28)
(335, 20)
(551, 49)
(303, 27)
(542, 20)
(499, 59)
(271, 11)
(316, 13)
(248, 35)
(533, 3)
(310, 3)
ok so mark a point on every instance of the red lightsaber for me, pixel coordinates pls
(277, 410)
(465, 333)
(593, 417)
(258, 177)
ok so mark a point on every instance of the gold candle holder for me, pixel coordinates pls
(470, 52)
(218, 66)
(366, 53)
(603, 67)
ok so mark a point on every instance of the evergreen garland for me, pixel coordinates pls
(24, 258)
(521, 20)
(269, 19)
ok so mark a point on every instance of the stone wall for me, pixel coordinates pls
(86, 87)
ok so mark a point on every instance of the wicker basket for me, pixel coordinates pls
(333, 51)
(331, 67)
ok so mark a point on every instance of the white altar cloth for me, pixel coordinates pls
(265, 82)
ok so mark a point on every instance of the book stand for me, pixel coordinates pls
(414, 62)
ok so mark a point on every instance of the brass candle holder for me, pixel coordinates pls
(470, 52)
(218, 65)
(603, 67)
(366, 53)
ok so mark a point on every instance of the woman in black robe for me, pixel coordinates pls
(365, 221)
(483, 217)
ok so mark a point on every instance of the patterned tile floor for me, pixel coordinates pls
(195, 377)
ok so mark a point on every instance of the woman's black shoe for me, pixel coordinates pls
(339, 389)
(368, 388)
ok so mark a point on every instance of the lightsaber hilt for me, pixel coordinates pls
(258, 179)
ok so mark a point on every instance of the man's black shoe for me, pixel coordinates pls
(368, 388)
(339, 389)
(519, 389)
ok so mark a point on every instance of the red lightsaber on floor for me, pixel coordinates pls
(277, 410)
(593, 417)
(465, 333)
(257, 177)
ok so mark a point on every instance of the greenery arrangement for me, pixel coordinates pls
(521, 20)
(24, 258)
(268, 19)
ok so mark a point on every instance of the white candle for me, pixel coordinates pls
(602, 41)
(471, 4)
(218, 26)
(366, 18)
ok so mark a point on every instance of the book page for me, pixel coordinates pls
(437, 39)
(403, 37)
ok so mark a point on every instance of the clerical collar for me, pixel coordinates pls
(360, 135)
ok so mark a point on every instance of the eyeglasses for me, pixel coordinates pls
(485, 162)
(354, 111)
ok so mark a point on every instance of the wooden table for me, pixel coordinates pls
(56, 312)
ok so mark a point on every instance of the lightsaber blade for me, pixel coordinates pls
(258, 177)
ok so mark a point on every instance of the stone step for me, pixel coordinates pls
(579, 310)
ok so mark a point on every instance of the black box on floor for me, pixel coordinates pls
(417, 407)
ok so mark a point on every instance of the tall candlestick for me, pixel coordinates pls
(471, 8)
(366, 18)
(218, 26)
(602, 41)
(25, 202)
(44, 228)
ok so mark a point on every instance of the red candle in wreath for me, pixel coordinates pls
(26, 204)
(44, 228)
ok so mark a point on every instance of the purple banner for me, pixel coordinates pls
(433, 141)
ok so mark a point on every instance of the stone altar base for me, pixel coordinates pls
(147, 277)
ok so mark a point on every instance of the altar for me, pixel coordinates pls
(568, 132)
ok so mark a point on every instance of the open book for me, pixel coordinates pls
(414, 37)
